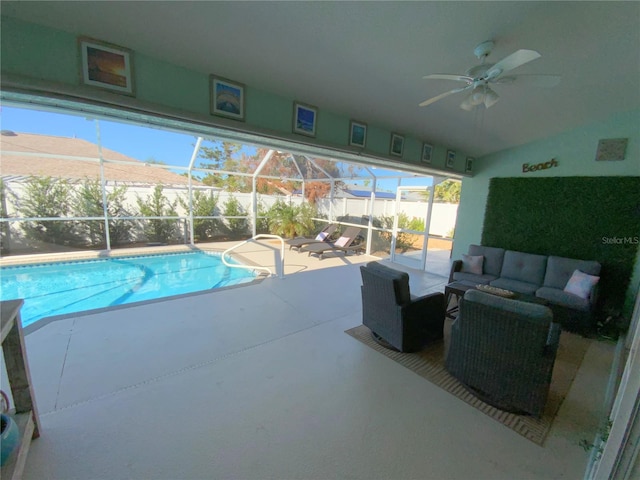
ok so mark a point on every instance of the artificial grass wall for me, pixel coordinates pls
(589, 218)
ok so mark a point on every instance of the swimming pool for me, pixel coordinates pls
(67, 287)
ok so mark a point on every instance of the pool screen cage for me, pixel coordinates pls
(229, 189)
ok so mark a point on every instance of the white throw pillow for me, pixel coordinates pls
(580, 284)
(472, 264)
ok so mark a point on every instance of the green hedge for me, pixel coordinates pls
(590, 218)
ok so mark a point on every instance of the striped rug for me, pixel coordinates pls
(429, 364)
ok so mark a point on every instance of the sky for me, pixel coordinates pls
(140, 142)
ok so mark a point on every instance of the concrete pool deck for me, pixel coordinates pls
(261, 382)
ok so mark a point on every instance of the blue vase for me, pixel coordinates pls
(10, 437)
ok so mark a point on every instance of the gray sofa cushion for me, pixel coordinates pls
(560, 269)
(492, 258)
(483, 279)
(400, 280)
(515, 285)
(560, 297)
(524, 267)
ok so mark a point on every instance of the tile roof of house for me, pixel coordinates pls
(20, 165)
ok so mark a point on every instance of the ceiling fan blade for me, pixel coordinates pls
(449, 76)
(443, 95)
(531, 80)
(515, 60)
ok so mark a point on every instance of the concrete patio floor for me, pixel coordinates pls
(261, 382)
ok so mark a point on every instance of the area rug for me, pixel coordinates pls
(429, 364)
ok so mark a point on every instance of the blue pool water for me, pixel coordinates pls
(67, 287)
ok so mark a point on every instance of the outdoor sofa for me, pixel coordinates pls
(569, 286)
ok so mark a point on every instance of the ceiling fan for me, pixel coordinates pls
(477, 79)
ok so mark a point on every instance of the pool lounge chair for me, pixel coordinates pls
(323, 236)
(343, 244)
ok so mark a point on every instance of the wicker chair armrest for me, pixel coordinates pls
(553, 340)
(430, 304)
(456, 266)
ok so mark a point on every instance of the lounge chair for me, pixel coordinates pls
(323, 236)
(343, 244)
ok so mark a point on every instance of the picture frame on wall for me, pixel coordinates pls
(451, 158)
(357, 134)
(468, 168)
(427, 152)
(396, 146)
(106, 66)
(226, 97)
(305, 119)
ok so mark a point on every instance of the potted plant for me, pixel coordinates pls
(9, 431)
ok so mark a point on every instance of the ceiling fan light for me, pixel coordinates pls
(466, 104)
(490, 98)
(477, 95)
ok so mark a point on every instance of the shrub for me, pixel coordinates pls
(382, 241)
(290, 220)
(204, 205)
(88, 202)
(157, 205)
(237, 227)
(46, 197)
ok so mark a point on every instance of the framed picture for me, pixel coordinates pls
(106, 66)
(427, 150)
(468, 168)
(357, 134)
(305, 118)
(397, 144)
(227, 97)
(451, 158)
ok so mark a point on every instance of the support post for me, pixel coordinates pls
(371, 207)
(254, 196)
(194, 155)
(103, 186)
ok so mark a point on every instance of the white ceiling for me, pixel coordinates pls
(366, 60)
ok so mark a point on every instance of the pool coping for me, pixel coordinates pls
(16, 260)
(43, 258)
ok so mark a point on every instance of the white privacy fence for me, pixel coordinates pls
(443, 217)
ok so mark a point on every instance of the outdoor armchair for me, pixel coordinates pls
(503, 351)
(388, 310)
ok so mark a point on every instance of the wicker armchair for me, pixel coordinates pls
(503, 351)
(404, 323)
